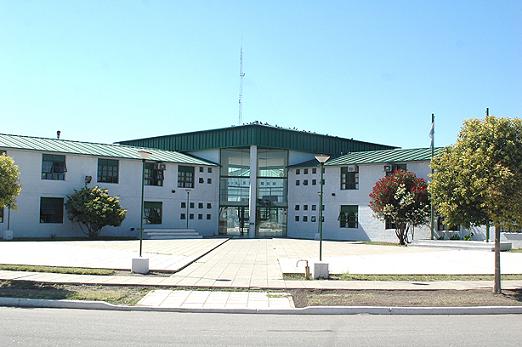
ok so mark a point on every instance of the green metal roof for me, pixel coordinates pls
(95, 149)
(259, 134)
(385, 156)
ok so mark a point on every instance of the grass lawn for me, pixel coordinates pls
(112, 294)
(415, 278)
(441, 298)
(57, 269)
(517, 250)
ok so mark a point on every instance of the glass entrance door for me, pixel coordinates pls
(271, 221)
(233, 221)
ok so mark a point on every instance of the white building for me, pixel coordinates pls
(246, 181)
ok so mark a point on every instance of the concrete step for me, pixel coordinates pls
(461, 244)
(171, 234)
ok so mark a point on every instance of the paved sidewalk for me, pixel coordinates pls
(158, 281)
(165, 255)
(187, 299)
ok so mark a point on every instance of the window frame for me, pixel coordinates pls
(55, 171)
(344, 216)
(58, 214)
(153, 205)
(185, 176)
(110, 169)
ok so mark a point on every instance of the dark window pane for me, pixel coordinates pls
(186, 176)
(152, 212)
(108, 170)
(53, 167)
(51, 210)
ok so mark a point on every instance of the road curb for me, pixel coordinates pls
(310, 310)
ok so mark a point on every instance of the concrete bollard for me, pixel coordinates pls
(140, 265)
(320, 270)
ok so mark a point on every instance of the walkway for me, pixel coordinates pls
(188, 299)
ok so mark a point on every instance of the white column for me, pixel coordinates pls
(253, 192)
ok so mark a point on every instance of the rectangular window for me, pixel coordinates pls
(314, 170)
(305, 218)
(108, 170)
(209, 180)
(191, 216)
(388, 224)
(201, 180)
(348, 218)
(305, 171)
(305, 207)
(209, 216)
(314, 207)
(200, 216)
(297, 171)
(51, 210)
(191, 205)
(201, 169)
(313, 219)
(296, 182)
(314, 182)
(209, 170)
(349, 178)
(209, 205)
(152, 212)
(200, 205)
(154, 174)
(53, 167)
(183, 204)
(297, 207)
(186, 176)
(305, 182)
(1, 214)
(396, 167)
(182, 216)
(297, 218)
(441, 226)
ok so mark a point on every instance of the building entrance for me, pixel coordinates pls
(233, 221)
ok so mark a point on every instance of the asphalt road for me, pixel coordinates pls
(60, 327)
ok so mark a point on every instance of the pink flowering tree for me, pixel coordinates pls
(402, 199)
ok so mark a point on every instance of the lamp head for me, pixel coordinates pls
(322, 158)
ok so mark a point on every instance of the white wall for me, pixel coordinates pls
(25, 220)
(369, 227)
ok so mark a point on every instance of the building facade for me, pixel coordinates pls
(245, 181)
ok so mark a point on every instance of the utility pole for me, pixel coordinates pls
(432, 211)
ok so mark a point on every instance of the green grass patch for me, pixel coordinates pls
(112, 294)
(57, 269)
(409, 278)
(517, 250)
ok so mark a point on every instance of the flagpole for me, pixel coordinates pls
(432, 215)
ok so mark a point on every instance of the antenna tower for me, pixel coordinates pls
(241, 78)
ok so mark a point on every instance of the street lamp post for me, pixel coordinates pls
(141, 265)
(321, 158)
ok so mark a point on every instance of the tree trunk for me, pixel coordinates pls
(497, 288)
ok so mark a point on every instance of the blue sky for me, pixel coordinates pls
(373, 70)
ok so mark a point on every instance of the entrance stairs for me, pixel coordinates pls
(171, 234)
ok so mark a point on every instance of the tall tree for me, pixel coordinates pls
(479, 179)
(402, 199)
(9, 182)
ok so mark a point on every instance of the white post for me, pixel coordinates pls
(253, 192)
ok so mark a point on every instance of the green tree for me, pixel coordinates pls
(94, 208)
(402, 199)
(9, 182)
(479, 179)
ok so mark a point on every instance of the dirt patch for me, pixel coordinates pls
(442, 298)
